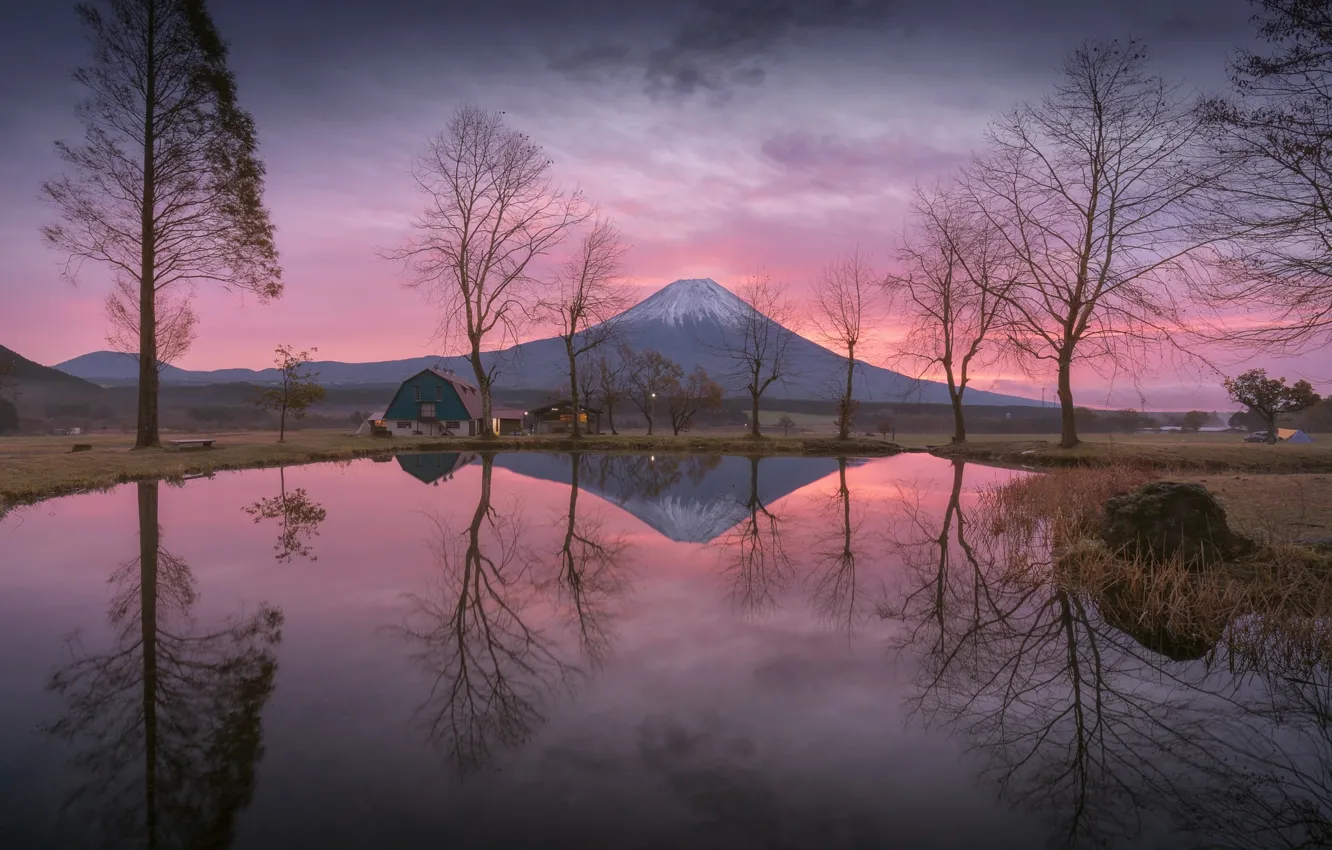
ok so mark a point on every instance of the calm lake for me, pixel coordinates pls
(538, 650)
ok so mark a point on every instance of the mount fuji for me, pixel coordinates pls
(687, 321)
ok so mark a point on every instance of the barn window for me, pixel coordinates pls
(404, 424)
(427, 411)
(452, 424)
(439, 393)
(416, 393)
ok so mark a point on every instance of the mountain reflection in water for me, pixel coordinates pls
(632, 651)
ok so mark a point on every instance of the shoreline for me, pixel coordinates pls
(46, 469)
(33, 469)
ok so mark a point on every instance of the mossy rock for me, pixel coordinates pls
(1168, 520)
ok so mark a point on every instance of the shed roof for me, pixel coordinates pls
(507, 413)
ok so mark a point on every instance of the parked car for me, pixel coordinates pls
(1256, 437)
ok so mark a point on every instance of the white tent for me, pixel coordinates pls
(1288, 436)
(367, 425)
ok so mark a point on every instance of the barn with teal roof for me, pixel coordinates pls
(436, 403)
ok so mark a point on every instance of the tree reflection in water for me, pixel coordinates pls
(648, 476)
(1076, 718)
(299, 518)
(590, 576)
(755, 560)
(475, 631)
(167, 723)
(837, 546)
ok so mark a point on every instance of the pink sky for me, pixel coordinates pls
(816, 160)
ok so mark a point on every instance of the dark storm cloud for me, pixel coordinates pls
(720, 45)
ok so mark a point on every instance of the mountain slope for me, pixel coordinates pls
(25, 371)
(688, 499)
(687, 321)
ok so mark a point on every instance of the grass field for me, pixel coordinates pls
(1168, 452)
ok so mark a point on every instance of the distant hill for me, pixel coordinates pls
(26, 372)
(687, 321)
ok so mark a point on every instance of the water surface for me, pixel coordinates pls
(537, 650)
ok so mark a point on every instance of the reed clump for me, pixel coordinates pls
(1270, 606)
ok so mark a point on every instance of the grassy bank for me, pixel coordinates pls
(33, 468)
(1196, 453)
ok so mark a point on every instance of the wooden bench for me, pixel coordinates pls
(201, 443)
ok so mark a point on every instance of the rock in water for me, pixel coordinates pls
(1167, 519)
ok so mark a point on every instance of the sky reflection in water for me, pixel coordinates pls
(703, 652)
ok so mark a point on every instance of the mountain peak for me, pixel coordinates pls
(695, 299)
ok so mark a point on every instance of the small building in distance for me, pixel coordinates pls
(435, 403)
(511, 421)
(557, 418)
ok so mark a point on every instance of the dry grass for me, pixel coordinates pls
(1274, 507)
(1199, 453)
(1271, 606)
(33, 468)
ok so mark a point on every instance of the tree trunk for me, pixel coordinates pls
(282, 424)
(610, 415)
(482, 385)
(148, 549)
(148, 436)
(1271, 428)
(753, 423)
(955, 396)
(573, 388)
(1068, 434)
(649, 404)
(844, 430)
(959, 424)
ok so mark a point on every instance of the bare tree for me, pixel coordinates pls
(473, 632)
(844, 300)
(586, 297)
(612, 383)
(174, 316)
(1273, 149)
(756, 560)
(650, 374)
(590, 576)
(492, 208)
(166, 188)
(685, 398)
(757, 349)
(953, 288)
(1089, 190)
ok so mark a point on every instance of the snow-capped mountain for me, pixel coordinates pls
(687, 301)
(688, 499)
(688, 321)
